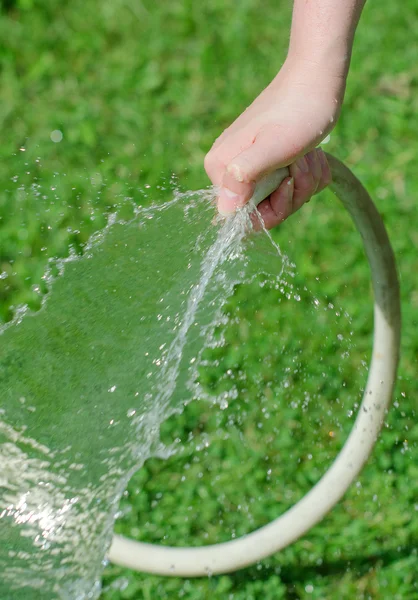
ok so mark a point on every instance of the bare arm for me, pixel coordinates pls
(323, 32)
(291, 116)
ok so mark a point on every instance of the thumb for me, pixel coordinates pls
(271, 149)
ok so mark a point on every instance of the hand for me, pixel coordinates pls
(289, 118)
(309, 175)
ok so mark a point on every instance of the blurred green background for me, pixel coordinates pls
(139, 91)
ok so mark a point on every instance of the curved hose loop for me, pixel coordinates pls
(247, 550)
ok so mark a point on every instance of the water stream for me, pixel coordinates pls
(87, 381)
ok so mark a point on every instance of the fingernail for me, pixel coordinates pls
(235, 171)
(302, 164)
(228, 202)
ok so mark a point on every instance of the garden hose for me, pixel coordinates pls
(251, 548)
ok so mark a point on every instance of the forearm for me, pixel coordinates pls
(291, 116)
(323, 31)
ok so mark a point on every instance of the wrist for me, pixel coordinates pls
(319, 78)
(332, 59)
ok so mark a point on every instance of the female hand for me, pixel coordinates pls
(281, 127)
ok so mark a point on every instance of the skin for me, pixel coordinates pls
(291, 116)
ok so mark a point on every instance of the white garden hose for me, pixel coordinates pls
(239, 553)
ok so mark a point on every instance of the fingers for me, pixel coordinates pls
(233, 190)
(326, 176)
(309, 175)
(307, 172)
(237, 161)
(275, 209)
(232, 193)
(236, 176)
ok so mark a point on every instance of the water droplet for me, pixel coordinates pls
(56, 136)
(223, 404)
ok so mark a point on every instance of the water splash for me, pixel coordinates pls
(116, 349)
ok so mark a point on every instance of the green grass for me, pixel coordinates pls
(140, 90)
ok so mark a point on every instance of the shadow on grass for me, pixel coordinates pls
(299, 572)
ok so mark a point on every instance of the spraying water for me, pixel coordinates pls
(87, 381)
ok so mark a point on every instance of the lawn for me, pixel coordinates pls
(139, 91)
